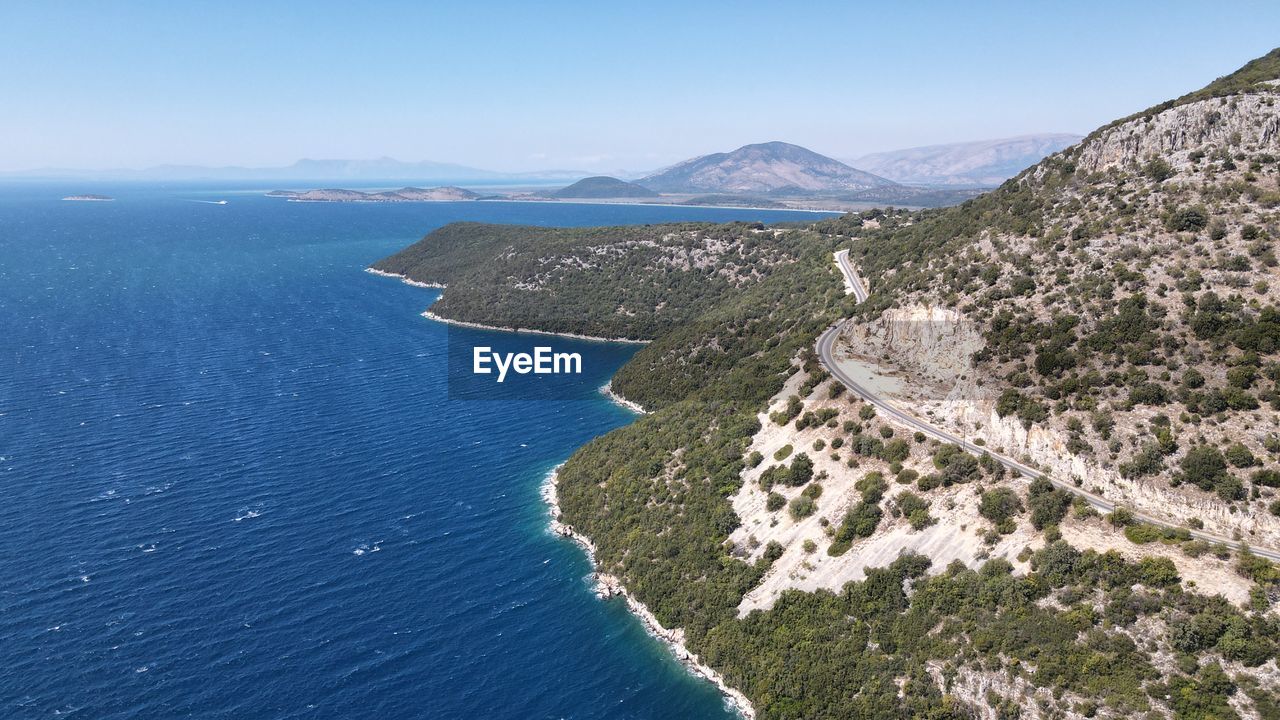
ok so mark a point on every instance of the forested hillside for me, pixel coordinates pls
(1128, 290)
(618, 282)
(1125, 291)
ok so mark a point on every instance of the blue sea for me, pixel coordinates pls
(233, 484)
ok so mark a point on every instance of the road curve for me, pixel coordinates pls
(826, 353)
(851, 279)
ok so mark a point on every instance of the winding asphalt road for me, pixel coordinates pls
(857, 287)
(826, 353)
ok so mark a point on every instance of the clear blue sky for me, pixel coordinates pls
(593, 85)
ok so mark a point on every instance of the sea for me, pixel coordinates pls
(233, 483)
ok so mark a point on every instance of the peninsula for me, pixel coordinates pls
(406, 194)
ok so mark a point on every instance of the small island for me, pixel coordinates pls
(88, 198)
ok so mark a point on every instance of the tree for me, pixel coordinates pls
(1206, 468)
(1048, 504)
(801, 470)
(999, 505)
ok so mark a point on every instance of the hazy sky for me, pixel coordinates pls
(593, 85)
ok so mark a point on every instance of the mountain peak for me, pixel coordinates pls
(763, 168)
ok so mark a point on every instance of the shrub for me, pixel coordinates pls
(920, 519)
(1188, 219)
(909, 502)
(1206, 468)
(915, 509)
(793, 409)
(774, 502)
(754, 459)
(1120, 517)
(1147, 462)
(896, 451)
(773, 551)
(782, 452)
(1048, 504)
(1000, 505)
(928, 482)
(801, 470)
(860, 521)
(872, 487)
(1158, 169)
(957, 466)
(1028, 409)
(1158, 572)
(802, 506)
(1142, 533)
(1240, 456)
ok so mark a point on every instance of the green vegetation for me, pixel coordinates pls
(915, 509)
(802, 506)
(798, 473)
(603, 187)
(570, 276)
(775, 501)
(860, 522)
(1060, 270)
(1048, 504)
(1000, 505)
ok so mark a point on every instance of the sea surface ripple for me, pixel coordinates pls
(234, 486)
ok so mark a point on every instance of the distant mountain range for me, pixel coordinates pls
(974, 164)
(771, 168)
(762, 170)
(383, 168)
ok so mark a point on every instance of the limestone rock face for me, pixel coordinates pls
(1249, 123)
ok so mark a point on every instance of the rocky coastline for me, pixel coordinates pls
(608, 586)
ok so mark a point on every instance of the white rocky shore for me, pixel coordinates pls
(631, 405)
(608, 586)
(403, 279)
(480, 326)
